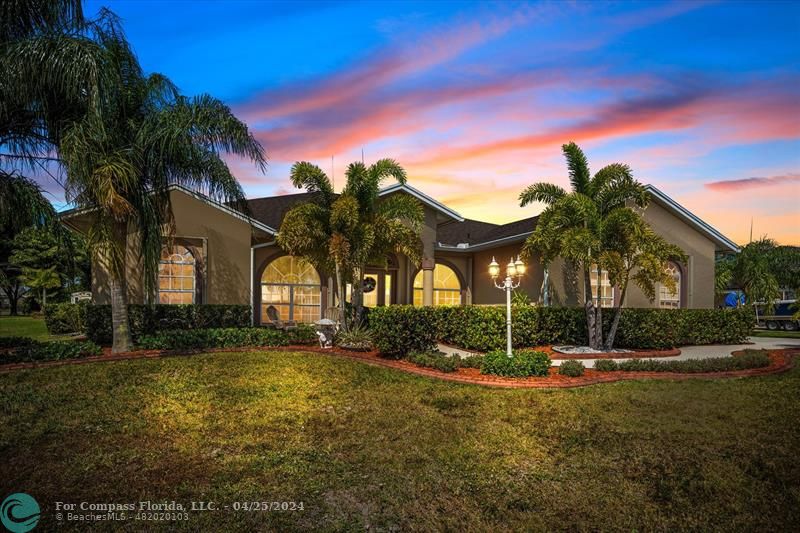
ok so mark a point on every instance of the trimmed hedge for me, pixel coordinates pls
(399, 330)
(147, 319)
(571, 368)
(749, 359)
(181, 339)
(49, 351)
(523, 363)
(437, 360)
(65, 318)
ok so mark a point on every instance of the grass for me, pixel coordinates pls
(776, 334)
(26, 326)
(368, 447)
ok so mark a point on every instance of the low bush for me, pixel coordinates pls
(472, 361)
(401, 329)
(302, 334)
(50, 351)
(15, 342)
(571, 368)
(357, 340)
(213, 338)
(606, 365)
(65, 318)
(147, 319)
(750, 359)
(435, 359)
(522, 363)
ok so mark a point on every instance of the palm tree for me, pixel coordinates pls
(345, 233)
(121, 162)
(41, 278)
(570, 226)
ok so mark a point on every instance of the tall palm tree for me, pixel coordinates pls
(571, 224)
(345, 233)
(120, 163)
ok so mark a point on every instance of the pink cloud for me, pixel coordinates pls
(753, 183)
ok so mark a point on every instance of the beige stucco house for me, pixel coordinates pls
(221, 256)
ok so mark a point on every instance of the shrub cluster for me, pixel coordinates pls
(49, 351)
(750, 359)
(15, 342)
(400, 330)
(523, 363)
(150, 318)
(435, 359)
(180, 339)
(65, 318)
(358, 340)
(302, 334)
(571, 368)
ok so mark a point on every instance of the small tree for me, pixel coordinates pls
(632, 251)
(41, 279)
(347, 232)
(570, 227)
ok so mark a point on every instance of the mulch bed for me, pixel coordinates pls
(781, 361)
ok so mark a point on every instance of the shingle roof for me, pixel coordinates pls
(272, 209)
(475, 232)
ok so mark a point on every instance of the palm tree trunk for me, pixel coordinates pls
(598, 334)
(589, 306)
(44, 298)
(340, 292)
(612, 333)
(358, 296)
(121, 333)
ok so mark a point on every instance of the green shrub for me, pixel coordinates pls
(15, 342)
(606, 365)
(523, 363)
(302, 334)
(401, 329)
(750, 359)
(472, 361)
(571, 368)
(213, 338)
(483, 327)
(50, 351)
(65, 318)
(357, 339)
(148, 319)
(436, 359)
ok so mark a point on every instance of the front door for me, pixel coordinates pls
(379, 288)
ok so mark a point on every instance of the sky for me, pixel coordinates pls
(701, 99)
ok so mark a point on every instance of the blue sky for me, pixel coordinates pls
(475, 99)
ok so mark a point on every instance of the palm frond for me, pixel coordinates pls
(547, 193)
(578, 166)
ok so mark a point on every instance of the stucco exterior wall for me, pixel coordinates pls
(484, 291)
(225, 244)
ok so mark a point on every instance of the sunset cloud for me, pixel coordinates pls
(755, 183)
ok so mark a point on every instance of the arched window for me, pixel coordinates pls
(446, 286)
(666, 298)
(176, 276)
(292, 286)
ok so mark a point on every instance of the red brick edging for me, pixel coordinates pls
(782, 360)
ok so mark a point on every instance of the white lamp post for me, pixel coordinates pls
(514, 269)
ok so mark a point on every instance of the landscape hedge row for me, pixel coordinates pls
(181, 339)
(750, 359)
(65, 318)
(152, 318)
(48, 351)
(399, 330)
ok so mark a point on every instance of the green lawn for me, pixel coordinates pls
(26, 326)
(776, 334)
(363, 446)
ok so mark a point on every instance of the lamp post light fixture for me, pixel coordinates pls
(514, 269)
